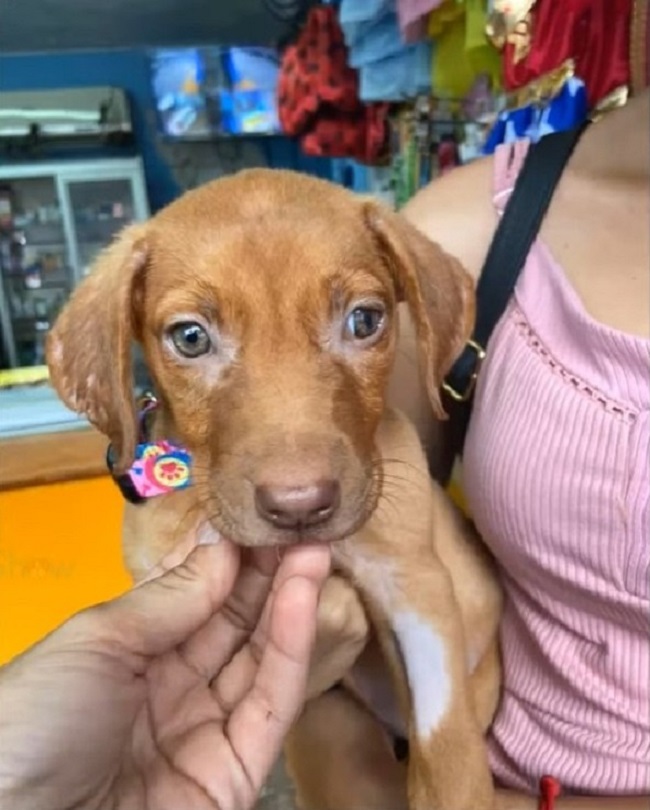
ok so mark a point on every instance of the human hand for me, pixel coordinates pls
(176, 695)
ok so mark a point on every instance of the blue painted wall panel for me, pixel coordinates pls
(129, 70)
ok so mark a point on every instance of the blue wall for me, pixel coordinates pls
(129, 70)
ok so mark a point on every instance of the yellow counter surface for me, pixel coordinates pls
(59, 550)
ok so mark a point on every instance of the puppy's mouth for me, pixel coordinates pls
(246, 530)
(320, 534)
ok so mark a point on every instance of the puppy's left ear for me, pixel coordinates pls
(438, 291)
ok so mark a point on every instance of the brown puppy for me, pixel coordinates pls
(266, 305)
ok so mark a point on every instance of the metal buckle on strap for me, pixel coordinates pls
(479, 356)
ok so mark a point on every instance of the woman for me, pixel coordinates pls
(555, 472)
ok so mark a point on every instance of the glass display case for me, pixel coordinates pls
(54, 220)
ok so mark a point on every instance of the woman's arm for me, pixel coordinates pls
(517, 801)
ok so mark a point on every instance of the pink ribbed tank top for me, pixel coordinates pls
(556, 474)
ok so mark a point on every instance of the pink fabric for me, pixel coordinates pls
(557, 479)
(411, 16)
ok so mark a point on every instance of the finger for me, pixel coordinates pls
(160, 614)
(259, 724)
(211, 647)
(309, 560)
(236, 678)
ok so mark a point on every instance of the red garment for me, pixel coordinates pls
(595, 33)
(640, 46)
(319, 98)
(361, 135)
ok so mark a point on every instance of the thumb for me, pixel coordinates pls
(160, 614)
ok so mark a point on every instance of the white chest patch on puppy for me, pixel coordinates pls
(426, 668)
(374, 575)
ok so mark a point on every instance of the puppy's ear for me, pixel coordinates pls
(89, 346)
(436, 288)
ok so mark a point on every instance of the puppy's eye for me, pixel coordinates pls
(364, 322)
(190, 339)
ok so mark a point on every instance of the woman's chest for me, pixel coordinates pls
(555, 471)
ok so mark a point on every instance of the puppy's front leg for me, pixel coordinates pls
(419, 627)
(448, 767)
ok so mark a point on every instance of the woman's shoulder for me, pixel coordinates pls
(457, 211)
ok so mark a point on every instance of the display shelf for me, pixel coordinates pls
(28, 410)
(56, 219)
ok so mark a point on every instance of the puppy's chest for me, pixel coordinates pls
(372, 574)
(385, 555)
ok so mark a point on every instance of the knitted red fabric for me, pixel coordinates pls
(319, 95)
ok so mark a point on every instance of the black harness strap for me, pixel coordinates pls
(514, 236)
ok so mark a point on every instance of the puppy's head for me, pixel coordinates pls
(266, 305)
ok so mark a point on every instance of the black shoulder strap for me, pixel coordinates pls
(506, 257)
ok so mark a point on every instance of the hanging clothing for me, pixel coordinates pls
(594, 33)
(361, 135)
(462, 52)
(640, 46)
(378, 40)
(318, 95)
(357, 16)
(398, 77)
(443, 15)
(412, 16)
(389, 69)
(567, 110)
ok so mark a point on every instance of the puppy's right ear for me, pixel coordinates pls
(437, 289)
(89, 346)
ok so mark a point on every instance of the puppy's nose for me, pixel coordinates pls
(297, 507)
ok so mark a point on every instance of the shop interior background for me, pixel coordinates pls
(51, 465)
